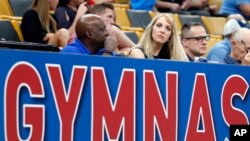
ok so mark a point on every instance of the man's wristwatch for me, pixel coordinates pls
(107, 52)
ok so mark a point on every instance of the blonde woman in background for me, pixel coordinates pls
(160, 40)
(39, 26)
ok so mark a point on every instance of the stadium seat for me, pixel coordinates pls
(18, 7)
(213, 40)
(123, 22)
(153, 14)
(16, 24)
(214, 25)
(122, 1)
(5, 8)
(119, 5)
(190, 18)
(121, 17)
(139, 18)
(177, 20)
(132, 35)
(10, 33)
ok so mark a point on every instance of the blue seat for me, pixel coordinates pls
(18, 7)
(8, 32)
(139, 18)
(190, 18)
(132, 36)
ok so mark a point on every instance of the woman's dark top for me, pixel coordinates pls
(163, 54)
(65, 16)
(32, 28)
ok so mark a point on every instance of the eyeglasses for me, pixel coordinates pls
(246, 48)
(199, 38)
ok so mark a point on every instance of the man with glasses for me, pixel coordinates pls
(240, 53)
(194, 39)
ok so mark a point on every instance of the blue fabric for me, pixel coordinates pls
(229, 60)
(78, 48)
(65, 16)
(232, 7)
(143, 4)
(219, 51)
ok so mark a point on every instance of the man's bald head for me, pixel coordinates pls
(86, 23)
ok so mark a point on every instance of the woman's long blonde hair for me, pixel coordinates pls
(176, 49)
(46, 19)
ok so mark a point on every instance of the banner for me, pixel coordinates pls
(53, 96)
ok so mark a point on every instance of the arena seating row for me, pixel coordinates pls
(10, 28)
(132, 22)
(136, 20)
(14, 7)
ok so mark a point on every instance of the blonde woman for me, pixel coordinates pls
(160, 40)
(39, 26)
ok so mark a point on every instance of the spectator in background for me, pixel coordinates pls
(240, 53)
(200, 7)
(92, 37)
(241, 7)
(240, 19)
(194, 39)
(106, 12)
(220, 49)
(148, 5)
(160, 41)
(68, 12)
(39, 26)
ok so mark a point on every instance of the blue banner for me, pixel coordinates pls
(52, 96)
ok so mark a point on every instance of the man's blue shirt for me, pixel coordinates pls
(77, 47)
(219, 51)
(232, 7)
(143, 4)
(229, 60)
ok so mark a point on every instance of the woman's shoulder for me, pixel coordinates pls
(30, 13)
(137, 52)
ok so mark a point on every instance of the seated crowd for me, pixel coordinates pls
(88, 27)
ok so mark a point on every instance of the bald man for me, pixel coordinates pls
(240, 53)
(92, 37)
